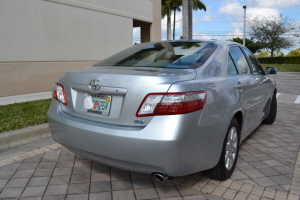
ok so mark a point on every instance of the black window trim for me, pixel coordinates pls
(242, 48)
(234, 45)
(237, 72)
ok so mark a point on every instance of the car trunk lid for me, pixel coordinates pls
(121, 93)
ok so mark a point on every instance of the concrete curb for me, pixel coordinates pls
(23, 136)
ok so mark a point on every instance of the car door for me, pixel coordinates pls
(262, 80)
(247, 87)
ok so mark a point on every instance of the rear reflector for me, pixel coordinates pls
(171, 103)
(59, 94)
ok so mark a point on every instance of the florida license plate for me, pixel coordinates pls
(98, 104)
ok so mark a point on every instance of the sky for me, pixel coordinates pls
(224, 19)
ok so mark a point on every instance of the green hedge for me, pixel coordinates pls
(280, 60)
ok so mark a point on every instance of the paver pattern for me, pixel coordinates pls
(268, 156)
(287, 82)
(288, 98)
(268, 168)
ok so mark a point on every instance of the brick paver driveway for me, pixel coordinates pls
(268, 168)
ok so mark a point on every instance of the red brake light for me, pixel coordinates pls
(171, 103)
(59, 94)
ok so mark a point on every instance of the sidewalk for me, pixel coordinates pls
(268, 168)
(25, 97)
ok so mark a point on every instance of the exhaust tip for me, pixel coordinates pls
(160, 177)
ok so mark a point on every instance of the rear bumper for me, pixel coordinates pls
(172, 145)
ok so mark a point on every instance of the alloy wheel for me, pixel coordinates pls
(231, 148)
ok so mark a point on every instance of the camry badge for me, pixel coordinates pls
(139, 121)
(94, 85)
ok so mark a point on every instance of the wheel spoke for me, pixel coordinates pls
(227, 155)
(231, 162)
(227, 159)
(234, 137)
(231, 135)
(227, 146)
(233, 156)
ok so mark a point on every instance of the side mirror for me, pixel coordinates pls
(271, 70)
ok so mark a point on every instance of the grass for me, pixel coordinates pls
(21, 115)
(284, 67)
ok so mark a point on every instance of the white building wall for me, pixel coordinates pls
(42, 39)
(137, 9)
(37, 30)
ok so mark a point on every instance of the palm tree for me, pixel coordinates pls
(187, 16)
(169, 5)
(197, 4)
(166, 11)
(175, 7)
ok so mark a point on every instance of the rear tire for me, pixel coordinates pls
(225, 167)
(273, 111)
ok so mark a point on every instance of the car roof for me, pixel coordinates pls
(223, 43)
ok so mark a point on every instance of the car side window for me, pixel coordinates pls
(255, 65)
(231, 69)
(239, 60)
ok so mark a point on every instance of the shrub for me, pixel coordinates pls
(280, 60)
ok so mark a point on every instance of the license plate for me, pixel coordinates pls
(98, 104)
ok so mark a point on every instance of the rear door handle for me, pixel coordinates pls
(258, 81)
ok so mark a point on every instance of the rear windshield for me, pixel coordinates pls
(180, 55)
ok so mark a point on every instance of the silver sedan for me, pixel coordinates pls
(165, 108)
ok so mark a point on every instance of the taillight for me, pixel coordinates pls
(171, 103)
(59, 94)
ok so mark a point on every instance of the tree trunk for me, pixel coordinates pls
(168, 27)
(174, 24)
(272, 52)
(187, 19)
(190, 16)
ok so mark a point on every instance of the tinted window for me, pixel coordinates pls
(163, 54)
(239, 60)
(255, 65)
(231, 69)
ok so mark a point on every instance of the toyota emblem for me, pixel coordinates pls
(94, 85)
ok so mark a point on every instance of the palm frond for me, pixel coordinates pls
(197, 4)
